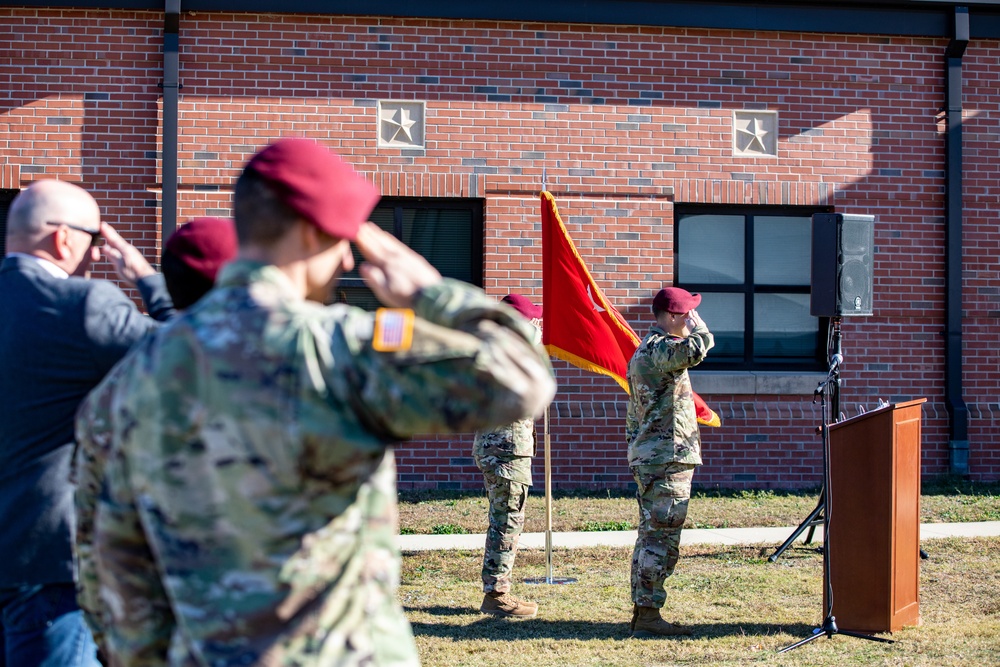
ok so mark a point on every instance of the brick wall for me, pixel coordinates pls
(622, 123)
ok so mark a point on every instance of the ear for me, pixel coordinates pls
(60, 244)
(310, 236)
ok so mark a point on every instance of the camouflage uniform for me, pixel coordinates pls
(504, 457)
(664, 448)
(246, 513)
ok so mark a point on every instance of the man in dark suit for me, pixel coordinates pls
(60, 333)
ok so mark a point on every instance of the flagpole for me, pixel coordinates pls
(548, 501)
(547, 437)
(548, 477)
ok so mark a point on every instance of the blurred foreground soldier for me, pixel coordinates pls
(664, 447)
(192, 257)
(60, 333)
(252, 436)
(504, 457)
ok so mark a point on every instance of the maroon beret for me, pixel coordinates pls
(523, 305)
(315, 183)
(203, 245)
(675, 300)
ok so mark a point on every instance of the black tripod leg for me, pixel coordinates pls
(861, 635)
(829, 629)
(810, 523)
(802, 641)
(830, 633)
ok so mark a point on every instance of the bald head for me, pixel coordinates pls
(48, 201)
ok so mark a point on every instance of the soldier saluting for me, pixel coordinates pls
(252, 438)
(664, 447)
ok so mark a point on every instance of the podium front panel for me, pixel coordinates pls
(874, 511)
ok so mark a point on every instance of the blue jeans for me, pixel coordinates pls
(41, 626)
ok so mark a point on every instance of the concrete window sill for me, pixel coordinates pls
(756, 383)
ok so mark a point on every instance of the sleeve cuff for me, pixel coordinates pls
(153, 290)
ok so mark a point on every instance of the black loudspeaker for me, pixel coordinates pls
(843, 263)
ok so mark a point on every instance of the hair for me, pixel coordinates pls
(185, 284)
(657, 311)
(261, 218)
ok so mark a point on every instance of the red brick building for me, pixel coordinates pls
(685, 143)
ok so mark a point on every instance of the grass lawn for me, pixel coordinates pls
(742, 607)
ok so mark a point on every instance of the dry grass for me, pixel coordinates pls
(428, 512)
(742, 608)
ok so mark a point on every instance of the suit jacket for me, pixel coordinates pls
(58, 339)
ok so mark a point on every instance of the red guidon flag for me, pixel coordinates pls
(579, 325)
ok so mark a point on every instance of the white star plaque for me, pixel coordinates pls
(400, 124)
(755, 133)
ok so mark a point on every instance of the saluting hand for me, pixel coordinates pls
(393, 271)
(126, 258)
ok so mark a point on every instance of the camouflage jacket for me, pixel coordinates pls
(507, 451)
(661, 425)
(496, 449)
(239, 502)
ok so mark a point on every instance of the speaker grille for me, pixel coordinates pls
(856, 265)
(855, 235)
(855, 287)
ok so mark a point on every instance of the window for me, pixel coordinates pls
(752, 267)
(6, 197)
(448, 232)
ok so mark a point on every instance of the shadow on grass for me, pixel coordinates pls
(440, 611)
(490, 628)
(948, 485)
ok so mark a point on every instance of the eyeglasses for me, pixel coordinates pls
(95, 234)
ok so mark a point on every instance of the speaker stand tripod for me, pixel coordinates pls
(814, 519)
(832, 384)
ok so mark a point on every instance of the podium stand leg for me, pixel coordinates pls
(829, 629)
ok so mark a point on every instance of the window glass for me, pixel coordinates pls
(752, 266)
(783, 327)
(447, 232)
(781, 250)
(724, 314)
(443, 237)
(710, 249)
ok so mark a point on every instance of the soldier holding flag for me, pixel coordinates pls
(504, 457)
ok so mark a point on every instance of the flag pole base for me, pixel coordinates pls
(550, 580)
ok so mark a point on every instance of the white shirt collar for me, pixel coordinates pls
(44, 263)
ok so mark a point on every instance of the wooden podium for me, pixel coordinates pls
(874, 512)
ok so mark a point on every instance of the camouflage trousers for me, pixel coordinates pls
(663, 493)
(507, 499)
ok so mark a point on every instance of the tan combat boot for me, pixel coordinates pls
(505, 604)
(646, 623)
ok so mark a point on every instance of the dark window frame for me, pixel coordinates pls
(398, 204)
(6, 197)
(748, 289)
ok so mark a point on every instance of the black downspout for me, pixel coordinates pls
(958, 411)
(171, 86)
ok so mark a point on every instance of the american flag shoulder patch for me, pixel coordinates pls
(393, 329)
